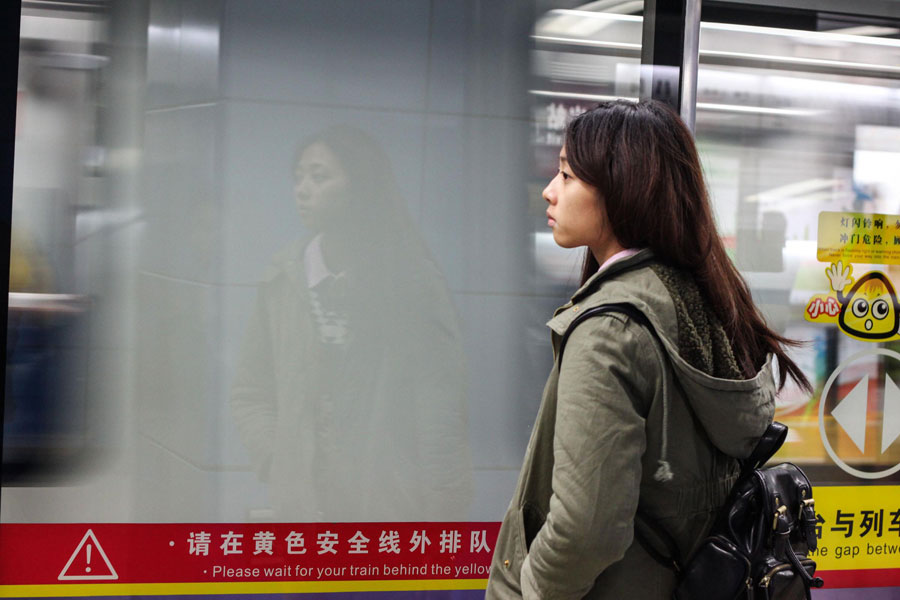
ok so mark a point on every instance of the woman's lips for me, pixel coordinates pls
(550, 221)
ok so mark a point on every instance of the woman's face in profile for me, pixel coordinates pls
(321, 188)
(575, 212)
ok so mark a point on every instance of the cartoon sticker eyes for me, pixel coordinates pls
(880, 309)
(874, 313)
(860, 307)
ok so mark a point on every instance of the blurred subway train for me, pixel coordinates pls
(156, 145)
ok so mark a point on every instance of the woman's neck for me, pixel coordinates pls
(604, 252)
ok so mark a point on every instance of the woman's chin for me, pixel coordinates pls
(562, 242)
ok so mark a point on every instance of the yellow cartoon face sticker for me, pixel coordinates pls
(869, 311)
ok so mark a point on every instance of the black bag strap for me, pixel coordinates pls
(644, 529)
(772, 439)
(614, 307)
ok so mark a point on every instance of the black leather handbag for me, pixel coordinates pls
(758, 547)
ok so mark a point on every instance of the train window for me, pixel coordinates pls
(797, 120)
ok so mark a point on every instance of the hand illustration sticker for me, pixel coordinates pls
(868, 312)
(839, 276)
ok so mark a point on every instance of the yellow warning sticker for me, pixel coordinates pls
(858, 527)
(864, 307)
(859, 237)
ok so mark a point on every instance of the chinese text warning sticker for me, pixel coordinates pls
(859, 237)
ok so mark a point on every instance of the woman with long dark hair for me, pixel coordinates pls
(630, 424)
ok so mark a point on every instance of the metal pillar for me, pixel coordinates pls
(10, 18)
(669, 50)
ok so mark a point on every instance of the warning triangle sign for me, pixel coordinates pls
(88, 562)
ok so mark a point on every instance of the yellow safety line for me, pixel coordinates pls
(63, 590)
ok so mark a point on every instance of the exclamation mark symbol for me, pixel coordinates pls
(87, 569)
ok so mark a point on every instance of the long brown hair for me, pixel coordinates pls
(642, 160)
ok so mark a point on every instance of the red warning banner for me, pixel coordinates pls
(216, 552)
(114, 559)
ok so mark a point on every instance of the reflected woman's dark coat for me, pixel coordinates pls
(374, 430)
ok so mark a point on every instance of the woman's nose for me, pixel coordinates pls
(301, 187)
(547, 194)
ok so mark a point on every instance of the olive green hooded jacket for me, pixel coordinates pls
(628, 422)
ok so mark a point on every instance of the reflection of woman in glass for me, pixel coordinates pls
(350, 393)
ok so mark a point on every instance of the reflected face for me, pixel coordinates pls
(870, 310)
(575, 213)
(321, 188)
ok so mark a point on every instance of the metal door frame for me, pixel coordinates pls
(670, 49)
(10, 21)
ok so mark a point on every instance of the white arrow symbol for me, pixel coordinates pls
(890, 425)
(850, 413)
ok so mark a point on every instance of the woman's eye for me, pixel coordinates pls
(564, 174)
(860, 307)
(880, 309)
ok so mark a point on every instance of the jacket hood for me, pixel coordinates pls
(733, 411)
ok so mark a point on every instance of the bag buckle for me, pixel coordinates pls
(779, 512)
